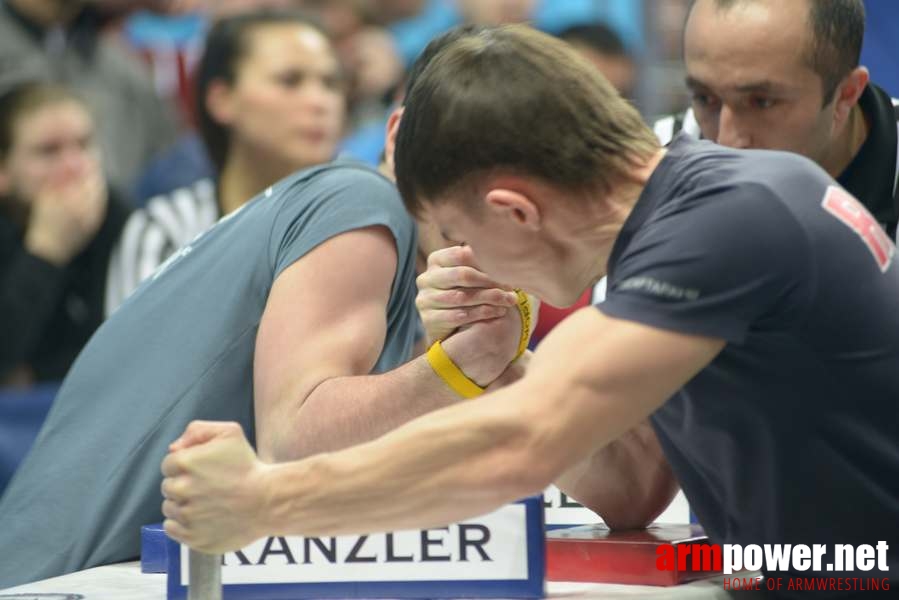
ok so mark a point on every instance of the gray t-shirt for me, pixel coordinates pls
(181, 348)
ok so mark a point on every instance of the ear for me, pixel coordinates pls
(393, 126)
(220, 102)
(514, 205)
(848, 93)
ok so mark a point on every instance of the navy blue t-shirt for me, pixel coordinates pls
(791, 434)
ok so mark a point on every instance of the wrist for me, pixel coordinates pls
(270, 499)
(515, 371)
(474, 362)
(450, 373)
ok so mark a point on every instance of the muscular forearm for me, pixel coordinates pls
(628, 483)
(345, 411)
(438, 469)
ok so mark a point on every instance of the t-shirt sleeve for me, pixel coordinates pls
(337, 201)
(717, 266)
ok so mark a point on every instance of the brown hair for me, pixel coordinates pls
(25, 98)
(516, 100)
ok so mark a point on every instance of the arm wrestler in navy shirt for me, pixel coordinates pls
(751, 318)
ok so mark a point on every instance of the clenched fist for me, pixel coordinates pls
(215, 488)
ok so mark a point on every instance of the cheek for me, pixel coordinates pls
(708, 123)
(28, 176)
(329, 113)
(800, 129)
(260, 105)
(495, 260)
(94, 159)
(338, 108)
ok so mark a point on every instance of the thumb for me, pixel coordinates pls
(201, 432)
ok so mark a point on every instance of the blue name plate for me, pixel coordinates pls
(497, 555)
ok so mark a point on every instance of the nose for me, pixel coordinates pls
(75, 160)
(731, 131)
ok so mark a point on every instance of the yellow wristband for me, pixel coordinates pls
(524, 309)
(450, 373)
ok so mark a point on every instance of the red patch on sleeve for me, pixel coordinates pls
(850, 211)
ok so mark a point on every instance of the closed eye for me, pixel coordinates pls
(762, 102)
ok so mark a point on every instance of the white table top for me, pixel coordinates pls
(125, 582)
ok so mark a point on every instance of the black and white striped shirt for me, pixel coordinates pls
(154, 233)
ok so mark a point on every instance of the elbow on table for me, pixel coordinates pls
(637, 504)
(628, 519)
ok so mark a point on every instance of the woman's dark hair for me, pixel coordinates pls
(226, 45)
(25, 98)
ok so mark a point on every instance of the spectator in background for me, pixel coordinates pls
(603, 47)
(270, 101)
(58, 223)
(495, 12)
(413, 23)
(367, 52)
(187, 160)
(375, 57)
(61, 41)
(373, 63)
(390, 11)
(553, 16)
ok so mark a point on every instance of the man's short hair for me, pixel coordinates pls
(837, 30)
(598, 37)
(434, 47)
(511, 99)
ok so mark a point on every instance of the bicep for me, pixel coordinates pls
(325, 317)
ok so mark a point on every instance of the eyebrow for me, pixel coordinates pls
(756, 87)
